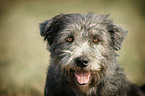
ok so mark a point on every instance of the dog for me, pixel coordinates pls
(83, 60)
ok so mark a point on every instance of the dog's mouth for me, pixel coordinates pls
(82, 76)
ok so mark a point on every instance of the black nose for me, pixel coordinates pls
(82, 61)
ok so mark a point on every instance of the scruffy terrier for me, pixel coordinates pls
(83, 60)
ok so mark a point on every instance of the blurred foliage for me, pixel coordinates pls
(23, 58)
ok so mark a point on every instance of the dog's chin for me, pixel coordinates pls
(82, 79)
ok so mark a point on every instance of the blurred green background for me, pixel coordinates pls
(23, 55)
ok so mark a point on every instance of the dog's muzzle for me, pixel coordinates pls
(82, 61)
(81, 74)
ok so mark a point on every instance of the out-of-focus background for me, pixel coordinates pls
(23, 55)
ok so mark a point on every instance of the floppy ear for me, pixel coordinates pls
(44, 27)
(50, 28)
(118, 35)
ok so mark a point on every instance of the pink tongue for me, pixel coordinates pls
(82, 76)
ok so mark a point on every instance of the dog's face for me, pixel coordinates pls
(82, 46)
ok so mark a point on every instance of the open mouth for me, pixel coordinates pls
(82, 76)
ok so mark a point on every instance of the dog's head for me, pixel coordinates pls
(84, 45)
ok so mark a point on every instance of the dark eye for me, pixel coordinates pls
(69, 39)
(95, 40)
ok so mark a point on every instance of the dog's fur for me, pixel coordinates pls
(84, 57)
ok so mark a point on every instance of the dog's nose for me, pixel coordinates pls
(82, 61)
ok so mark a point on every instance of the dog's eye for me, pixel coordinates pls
(95, 40)
(69, 39)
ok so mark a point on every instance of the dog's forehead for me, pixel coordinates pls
(86, 24)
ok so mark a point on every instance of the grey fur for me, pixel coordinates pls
(106, 78)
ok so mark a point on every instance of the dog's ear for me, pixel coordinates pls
(50, 28)
(118, 35)
(44, 27)
(44, 31)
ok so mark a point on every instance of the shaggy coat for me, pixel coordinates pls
(83, 60)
